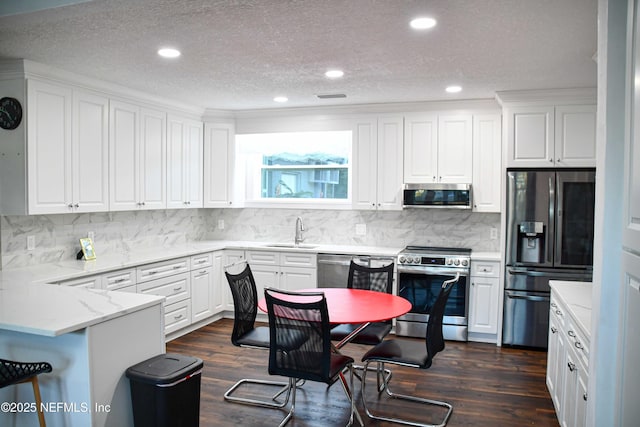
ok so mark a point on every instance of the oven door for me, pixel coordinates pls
(421, 287)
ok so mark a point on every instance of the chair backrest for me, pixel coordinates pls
(378, 279)
(434, 338)
(245, 302)
(300, 335)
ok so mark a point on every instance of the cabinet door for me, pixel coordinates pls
(420, 148)
(90, 149)
(487, 155)
(219, 282)
(153, 146)
(575, 136)
(365, 161)
(553, 358)
(296, 278)
(455, 148)
(483, 312)
(124, 156)
(49, 148)
(176, 163)
(569, 394)
(218, 161)
(266, 276)
(194, 169)
(202, 295)
(530, 136)
(389, 163)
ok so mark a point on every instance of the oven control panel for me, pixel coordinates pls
(422, 260)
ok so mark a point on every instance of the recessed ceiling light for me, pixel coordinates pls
(453, 89)
(334, 74)
(280, 99)
(167, 52)
(422, 23)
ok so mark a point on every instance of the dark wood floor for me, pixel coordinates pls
(487, 385)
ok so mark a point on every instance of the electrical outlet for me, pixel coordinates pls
(493, 233)
(361, 229)
(221, 224)
(31, 243)
(92, 236)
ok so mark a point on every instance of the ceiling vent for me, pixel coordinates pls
(332, 96)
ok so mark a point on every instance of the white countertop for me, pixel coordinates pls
(53, 310)
(577, 297)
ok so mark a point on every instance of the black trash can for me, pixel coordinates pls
(165, 391)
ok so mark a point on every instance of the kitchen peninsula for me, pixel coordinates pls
(89, 336)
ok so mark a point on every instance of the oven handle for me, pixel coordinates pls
(443, 271)
(536, 298)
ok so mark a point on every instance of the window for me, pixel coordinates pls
(296, 167)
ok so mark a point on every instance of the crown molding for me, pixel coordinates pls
(547, 96)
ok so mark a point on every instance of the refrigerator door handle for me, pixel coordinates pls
(535, 298)
(554, 205)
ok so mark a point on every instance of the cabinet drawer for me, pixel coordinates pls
(576, 340)
(263, 257)
(558, 312)
(298, 259)
(175, 288)
(119, 279)
(91, 282)
(201, 260)
(485, 268)
(162, 269)
(177, 316)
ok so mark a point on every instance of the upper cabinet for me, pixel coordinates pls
(218, 164)
(137, 148)
(184, 162)
(550, 129)
(67, 149)
(487, 165)
(438, 148)
(377, 163)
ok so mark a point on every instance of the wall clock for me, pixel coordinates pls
(10, 113)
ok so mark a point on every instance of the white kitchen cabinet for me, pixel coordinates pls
(202, 291)
(119, 280)
(184, 162)
(567, 365)
(283, 270)
(377, 163)
(487, 165)
(137, 157)
(551, 136)
(484, 299)
(219, 142)
(67, 149)
(219, 282)
(232, 263)
(438, 148)
(90, 282)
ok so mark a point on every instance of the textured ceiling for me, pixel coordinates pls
(239, 54)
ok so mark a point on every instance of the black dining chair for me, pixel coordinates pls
(378, 279)
(414, 354)
(246, 334)
(12, 372)
(311, 360)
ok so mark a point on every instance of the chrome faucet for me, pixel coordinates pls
(299, 229)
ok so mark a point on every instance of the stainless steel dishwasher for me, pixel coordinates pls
(333, 269)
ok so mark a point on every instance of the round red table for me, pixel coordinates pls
(357, 305)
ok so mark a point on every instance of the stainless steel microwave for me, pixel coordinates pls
(451, 196)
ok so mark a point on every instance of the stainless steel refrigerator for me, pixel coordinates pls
(549, 236)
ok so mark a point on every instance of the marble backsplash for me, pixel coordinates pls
(56, 236)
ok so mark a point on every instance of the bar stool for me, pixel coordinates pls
(12, 372)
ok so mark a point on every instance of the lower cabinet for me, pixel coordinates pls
(484, 300)
(567, 366)
(91, 282)
(202, 292)
(283, 270)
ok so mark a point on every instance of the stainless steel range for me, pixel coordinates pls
(421, 272)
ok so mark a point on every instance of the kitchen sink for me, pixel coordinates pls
(290, 245)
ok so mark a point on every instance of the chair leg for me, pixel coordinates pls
(285, 387)
(403, 397)
(36, 393)
(379, 376)
(293, 387)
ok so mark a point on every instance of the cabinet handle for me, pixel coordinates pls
(120, 280)
(553, 330)
(572, 366)
(558, 312)
(142, 203)
(179, 288)
(558, 160)
(178, 317)
(70, 206)
(77, 205)
(152, 272)
(440, 179)
(551, 160)
(584, 397)
(203, 272)
(177, 267)
(579, 345)
(553, 304)
(571, 334)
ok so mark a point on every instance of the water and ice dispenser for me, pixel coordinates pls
(531, 242)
